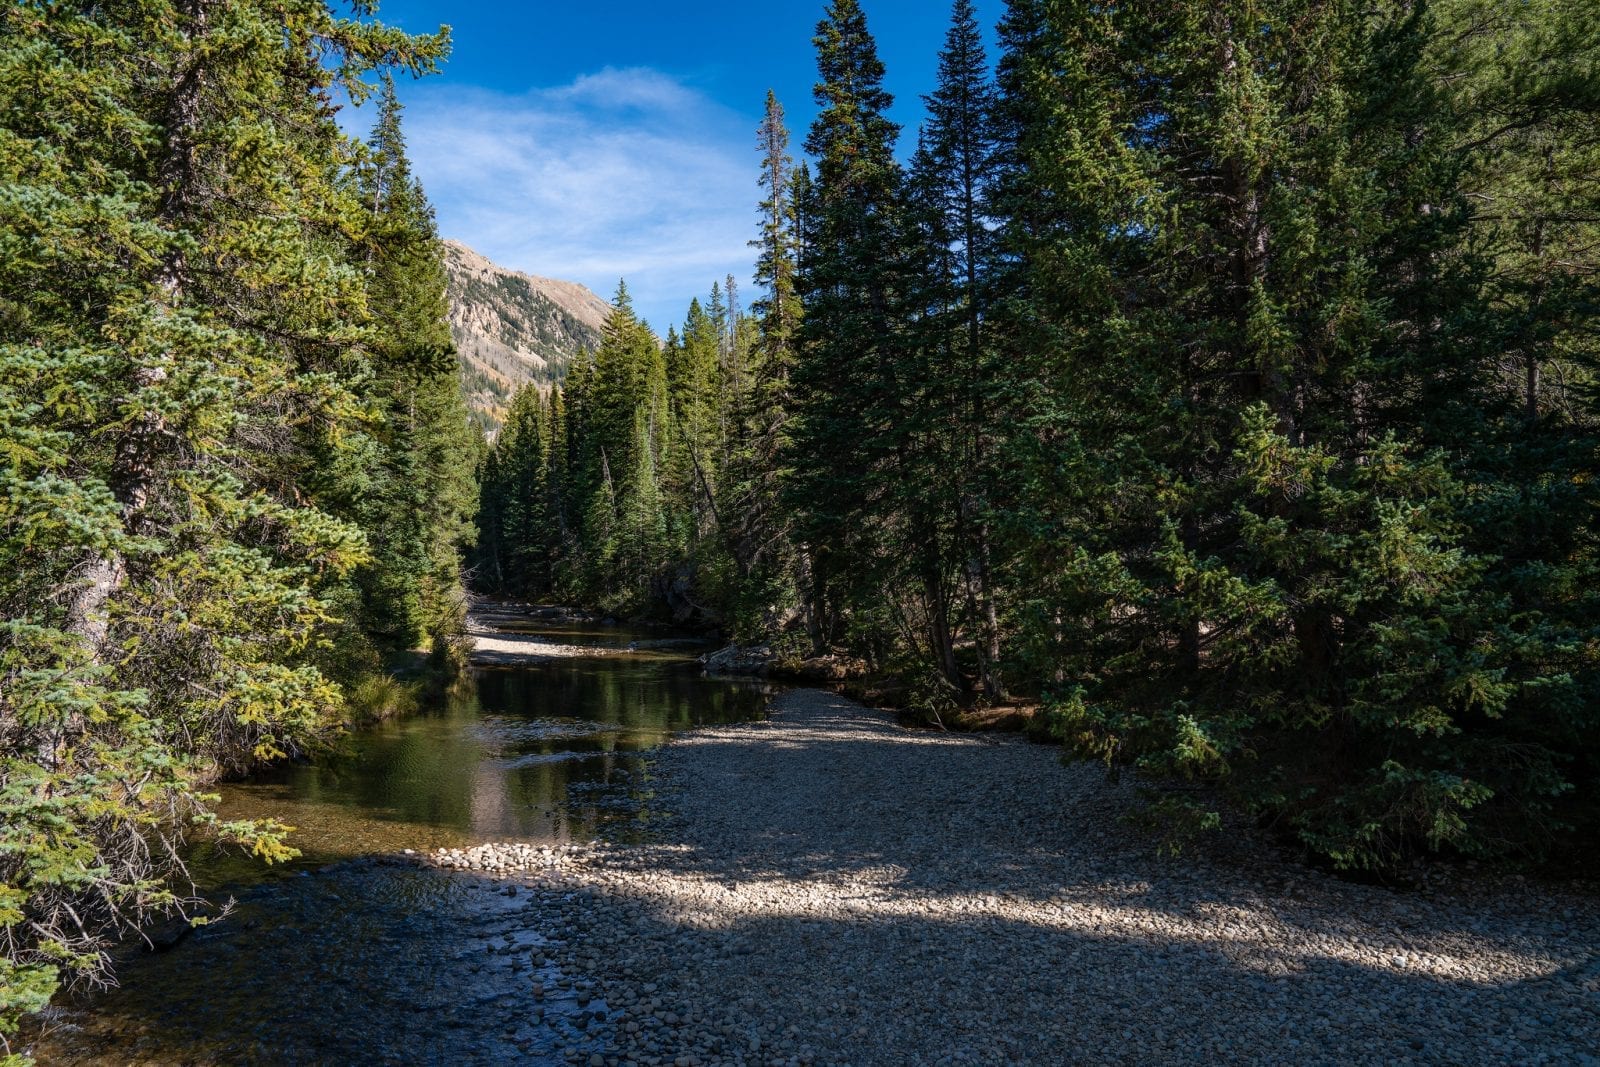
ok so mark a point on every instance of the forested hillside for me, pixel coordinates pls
(604, 491)
(514, 329)
(1218, 377)
(236, 474)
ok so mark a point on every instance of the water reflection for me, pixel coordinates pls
(494, 762)
(371, 962)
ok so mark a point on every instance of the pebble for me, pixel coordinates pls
(832, 889)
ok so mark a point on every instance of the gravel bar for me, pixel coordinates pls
(834, 889)
(494, 647)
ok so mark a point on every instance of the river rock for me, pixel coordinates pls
(754, 661)
(835, 890)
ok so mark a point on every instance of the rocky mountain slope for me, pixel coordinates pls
(512, 329)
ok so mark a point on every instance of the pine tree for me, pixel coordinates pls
(642, 548)
(416, 504)
(489, 567)
(695, 389)
(751, 520)
(1528, 117)
(559, 483)
(699, 435)
(1244, 257)
(1224, 368)
(734, 363)
(619, 429)
(778, 313)
(523, 494)
(1527, 121)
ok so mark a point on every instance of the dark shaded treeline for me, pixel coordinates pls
(1219, 375)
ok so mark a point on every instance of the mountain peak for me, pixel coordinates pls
(514, 329)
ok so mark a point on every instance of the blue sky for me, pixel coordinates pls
(598, 140)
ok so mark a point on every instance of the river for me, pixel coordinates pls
(353, 953)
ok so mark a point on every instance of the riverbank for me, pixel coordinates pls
(357, 953)
(507, 635)
(832, 888)
(493, 647)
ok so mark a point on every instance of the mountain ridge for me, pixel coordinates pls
(513, 329)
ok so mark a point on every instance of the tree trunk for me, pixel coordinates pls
(814, 598)
(993, 686)
(133, 470)
(1537, 248)
(940, 639)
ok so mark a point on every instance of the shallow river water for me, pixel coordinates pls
(348, 955)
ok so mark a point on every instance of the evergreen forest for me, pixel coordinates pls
(235, 467)
(1217, 380)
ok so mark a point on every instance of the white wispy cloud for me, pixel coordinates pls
(623, 173)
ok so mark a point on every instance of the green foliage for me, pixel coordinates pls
(841, 447)
(1267, 517)
(195, 388)
(649, 482)
(411, 488)
(381, 696)
(1219, 371)
(1218, 374)
(604, 491)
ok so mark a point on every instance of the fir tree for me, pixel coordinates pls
(1232, 227)
(1223, 369)
(619, 430)
(1527, 124)
(751, 519)
(778, 312)
(954, 176)
(416, 504)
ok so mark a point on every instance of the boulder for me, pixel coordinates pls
(733, 660)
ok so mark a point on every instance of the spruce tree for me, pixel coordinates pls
(619, 430)
(1258, 418)
(751, 518)
(417, 500)
(778, 312)
(182, 335)
(696, 389)
(1526, 117)
(847, 370)
(954, 178)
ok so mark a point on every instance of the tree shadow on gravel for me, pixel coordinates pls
(891, 988)
(1009, 910)
(882, 897)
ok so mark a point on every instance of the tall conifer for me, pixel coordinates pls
(955, 174)
(183, 333)
(417, 499)
(843, 439)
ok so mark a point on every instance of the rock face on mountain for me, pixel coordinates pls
(512, 329)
